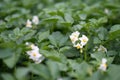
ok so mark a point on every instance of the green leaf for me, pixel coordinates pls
(64, 48)
(68, 18)
(5, 53)
(41, 70)
(113, 72)
(98, 56)
(62, 66)
(25, 30)
(102, 33)
(53, 41)
(77, 27)
(111, 53)
(16, 31)
(96, 76)
(80, 70)
(12, 60)
(43, 35)
(114, 32)
(54, 70)
(102, 20)
(21, 73)
(51, 19)
(83, 16)
(96, 40)
(7, 76)
(115, 28)
(55, 38)
(62, 41)
(29, 35)
(53, 55)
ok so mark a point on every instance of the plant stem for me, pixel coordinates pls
(85, 56)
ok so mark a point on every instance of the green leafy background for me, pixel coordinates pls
(98, 19)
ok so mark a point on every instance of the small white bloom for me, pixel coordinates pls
(102, 48)
(28, 23)
(27, 43)
(74, 36)
(34, 53)
(35, 20)
(84, 39)
(106, 11)
(73, 39)
(33, 47)
(35, 56)
(78, 46)
(103, 65)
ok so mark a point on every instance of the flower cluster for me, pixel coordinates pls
(103, 65)
(34, 53)
(77, 41)
(35, 20)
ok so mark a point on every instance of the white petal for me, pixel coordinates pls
(39, 60)
(102, 67)
(28, 23)
(104, 60)
(35, 20)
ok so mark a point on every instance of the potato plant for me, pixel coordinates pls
(60, 40)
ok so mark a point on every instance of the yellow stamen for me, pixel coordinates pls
(34, 54)
(105, 65)
(84, 40)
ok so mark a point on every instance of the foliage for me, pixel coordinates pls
(99, 20)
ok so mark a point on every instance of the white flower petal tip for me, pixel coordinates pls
(27, 43)
(74, 36)
(106, 11)
(39, 60)
(84, 39)
(28, 23)
(35, 20)
(32, 46)
(104, 60)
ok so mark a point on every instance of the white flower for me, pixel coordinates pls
(106, 11)
(102, 48)
(28, 23)
(35, 20)
(74, 36)
(78, 46)
(27, 43)
(34, 53)
(84, 39)
(103, 65)
(75, 40)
